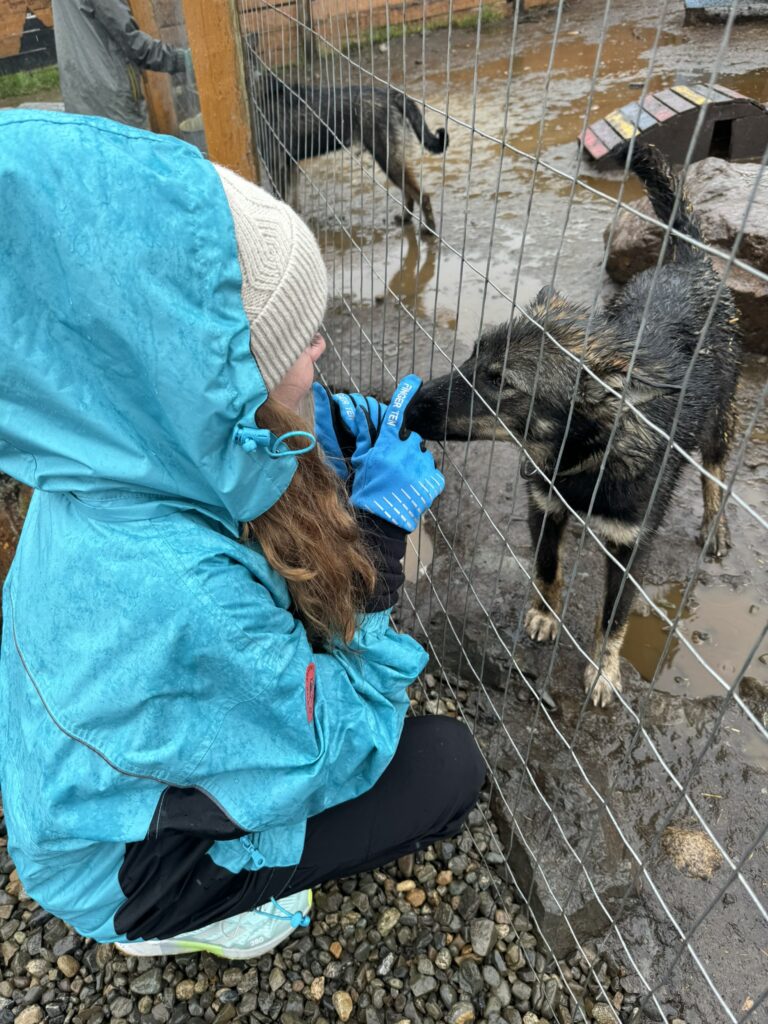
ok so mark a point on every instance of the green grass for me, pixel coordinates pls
(489, 16)
(22, 83)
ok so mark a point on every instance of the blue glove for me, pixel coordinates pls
(335, 426)
(395, 476)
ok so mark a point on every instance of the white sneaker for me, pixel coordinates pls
(242, 937)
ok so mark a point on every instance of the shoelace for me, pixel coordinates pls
(297, 919)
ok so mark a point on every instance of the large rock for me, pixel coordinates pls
(719, 193)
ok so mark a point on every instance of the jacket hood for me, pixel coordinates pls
(128, 380)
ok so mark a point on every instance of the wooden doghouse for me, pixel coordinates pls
(735, 127)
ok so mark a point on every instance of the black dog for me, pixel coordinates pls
(532, 381)
(294, 122)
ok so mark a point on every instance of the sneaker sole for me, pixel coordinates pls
(179, 947)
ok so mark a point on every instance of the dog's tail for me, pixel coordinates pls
(661, 184)
(435, 142)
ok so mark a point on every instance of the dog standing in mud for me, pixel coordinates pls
(532, 381)
(298, 122)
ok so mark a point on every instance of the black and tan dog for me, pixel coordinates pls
(570, 415)
(293, 122)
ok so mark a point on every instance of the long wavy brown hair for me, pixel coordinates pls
(311, 538)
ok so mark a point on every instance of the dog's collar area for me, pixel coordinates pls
(529, 469)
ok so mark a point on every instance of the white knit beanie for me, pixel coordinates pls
(285, 283)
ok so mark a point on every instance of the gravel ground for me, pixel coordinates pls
(436, 937)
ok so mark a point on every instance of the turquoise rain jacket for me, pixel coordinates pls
(165, 725)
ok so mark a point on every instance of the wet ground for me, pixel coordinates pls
(592, 807)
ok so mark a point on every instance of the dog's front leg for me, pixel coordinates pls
(547, 531)
(603, 681)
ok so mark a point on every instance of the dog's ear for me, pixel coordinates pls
(614, 374)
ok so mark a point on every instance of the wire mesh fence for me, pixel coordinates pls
(635, 835)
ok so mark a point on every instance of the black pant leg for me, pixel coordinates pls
(426, 792)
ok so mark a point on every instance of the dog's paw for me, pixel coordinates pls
(602, 685)
(720, 542)
(540, 625)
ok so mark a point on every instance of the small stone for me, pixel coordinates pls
(317, 989)
(185, 990)
(448, 995)
(162, 1014)
(342, 1004)
(145, 1005)
(363, 951)
(150, 983)
(386, 965)
(444, 915)
(483, 936)
(37, 968)
(444, 877)
(276, 979)
(335, 949)
(121, 1007)
(31, 1015)
(68, 966)
(425, 966)
(469, 901)
(551, 997)
(228, 1013)
(416, 898)
(405, 864)
(388, 920)
(602, 1013)
(65, 945)
(491, 976)
(232, 977)
(462, 1013)
(423, 985)
(406, 886)
(443, 959)
(530, 1018)
(469, 977)
(521, 992)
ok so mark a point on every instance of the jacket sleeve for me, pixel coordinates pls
(305, 731)
(148, 53)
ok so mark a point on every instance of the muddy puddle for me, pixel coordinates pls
(714, 621)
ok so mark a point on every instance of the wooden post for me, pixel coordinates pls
(157, 85)
(213, 31)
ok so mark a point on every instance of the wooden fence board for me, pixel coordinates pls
(214, 38)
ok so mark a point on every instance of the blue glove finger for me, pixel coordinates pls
(364, 438)
(330, 430)
(405, 392)
(347, 409)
